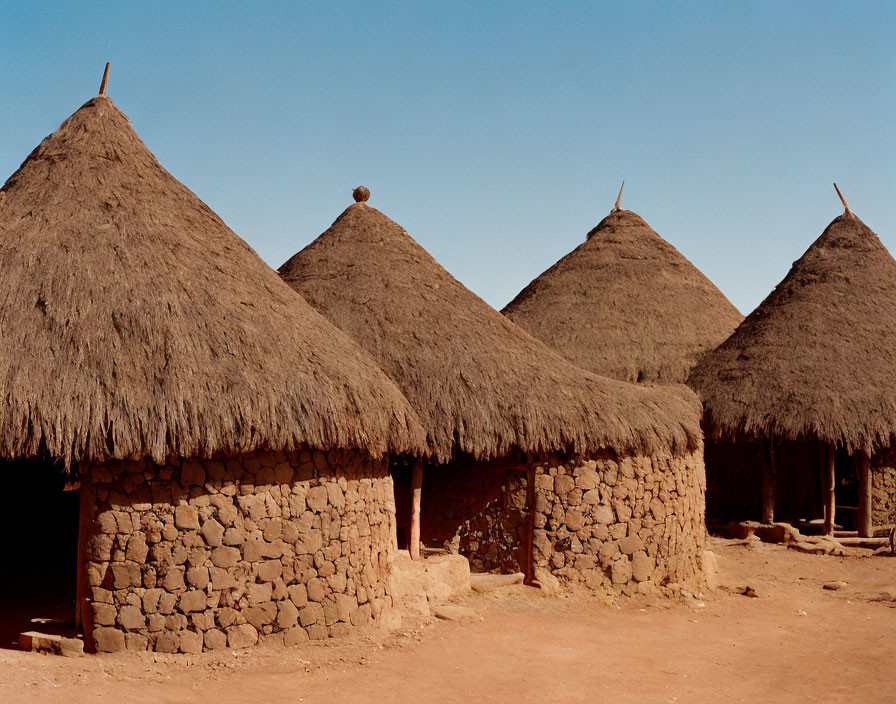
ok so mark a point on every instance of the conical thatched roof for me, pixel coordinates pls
(817, 357)
(627, 304)
(480, 383)
(134, 322)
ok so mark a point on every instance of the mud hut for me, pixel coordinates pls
(531, 463)
(801, 399)
(223, 442)
(626, 304)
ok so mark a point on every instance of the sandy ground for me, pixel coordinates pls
(793, 642)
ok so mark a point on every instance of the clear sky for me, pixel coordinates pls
(496, 133)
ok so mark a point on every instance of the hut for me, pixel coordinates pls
(801, 400)
(223, 443)
(531, 462)
(626, 304)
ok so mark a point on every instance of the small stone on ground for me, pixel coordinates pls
(483, 582)
(451, 612)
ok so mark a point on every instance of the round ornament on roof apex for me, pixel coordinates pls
(361, 194)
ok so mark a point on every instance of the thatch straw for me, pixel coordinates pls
(481, 384)
(134, 322)
(816, 359)
(626, 304)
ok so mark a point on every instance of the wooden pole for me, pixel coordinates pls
(830, 492)
(105, 80)
(83, 609)
(393, 533)
(416, 491)
(619, 197)
(863, 465)
(769, 485)
(842, 199)
(530, 526)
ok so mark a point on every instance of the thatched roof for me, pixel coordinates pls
(480, 383)
(134, 322)
(627, 304)
(817, 358)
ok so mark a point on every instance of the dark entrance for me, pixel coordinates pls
(39, 541)
(846, 482)
(402, 470)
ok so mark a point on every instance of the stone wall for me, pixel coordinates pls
(201, 555)
(883, 489)
(630, 524)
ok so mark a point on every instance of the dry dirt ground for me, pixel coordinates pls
(793, 642)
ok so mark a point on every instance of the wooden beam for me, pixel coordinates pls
(769, 485)
(416, 491)
(83, 609)
(829, 486)
(530, 526)
(863, 466)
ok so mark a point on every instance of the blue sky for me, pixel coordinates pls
(496, 133)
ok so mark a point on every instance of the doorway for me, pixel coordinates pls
(846, 491)
(402, 470)
(39, 540)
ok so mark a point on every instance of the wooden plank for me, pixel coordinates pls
(530, 526)
(829, 485)
(863, 465)
(769, 485)
(83, 609)
(416, 491)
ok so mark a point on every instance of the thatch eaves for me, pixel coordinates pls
(134, 322)
(480, 384)
(626, 304)
(816, 359)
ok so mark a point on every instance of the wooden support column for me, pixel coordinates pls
(863, 466)
(769, 485)
(829, 486)
(416, 491)
(83, 609)
(530, 526)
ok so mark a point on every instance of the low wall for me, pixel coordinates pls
(201, 555)
(603, 521)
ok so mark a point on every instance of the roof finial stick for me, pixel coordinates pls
(845, 204)
(619, 197)
(105, 79)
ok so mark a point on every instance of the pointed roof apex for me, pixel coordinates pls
(361, 194)
(626, 304)
(158, 362)
(618, 205)
(842, 199)
(105, 80)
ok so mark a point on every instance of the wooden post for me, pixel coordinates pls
(769, 485)
(416, 491)
(842, 199)
(863, 465)
(618, 205)
(530, 526)
(83, 609)
(105, 80)
(829, 485)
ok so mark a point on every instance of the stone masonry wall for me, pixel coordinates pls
(883, 489)
(201, 555)
(629, 524)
